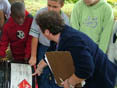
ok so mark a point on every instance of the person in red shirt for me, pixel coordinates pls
(16, 33)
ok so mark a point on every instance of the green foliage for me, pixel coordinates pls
(112, 1)
(71, 1)
(115, 12)
(112, 4)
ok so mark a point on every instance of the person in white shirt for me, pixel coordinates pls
(4, 12)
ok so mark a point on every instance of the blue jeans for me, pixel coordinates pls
(46, 79)
(115, 61)
(41, 50)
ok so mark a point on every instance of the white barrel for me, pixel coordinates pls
(16, 75)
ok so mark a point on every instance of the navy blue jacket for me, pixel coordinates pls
(89, 61)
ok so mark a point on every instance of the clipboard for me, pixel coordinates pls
(61, 65)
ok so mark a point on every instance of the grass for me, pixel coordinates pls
(34, 5)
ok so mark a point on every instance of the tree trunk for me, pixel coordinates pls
(11, 1)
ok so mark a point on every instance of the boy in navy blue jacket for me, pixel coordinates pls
(91, 64)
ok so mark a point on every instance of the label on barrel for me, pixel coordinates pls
(24, 84)
(21, 76)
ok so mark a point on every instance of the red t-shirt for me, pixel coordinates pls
(18, 37)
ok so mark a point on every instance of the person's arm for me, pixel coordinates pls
(72, 81)
(83, 61)
(34, 44)
(2, 19)
(6, 7)
(4, 42)
(28, 48)
(34, 32)
(42, 64)
(108, 22)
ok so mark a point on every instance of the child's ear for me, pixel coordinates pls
(47, 32)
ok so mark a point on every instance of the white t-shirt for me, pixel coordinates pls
(112, 51)
(5, 6)
(35, 31)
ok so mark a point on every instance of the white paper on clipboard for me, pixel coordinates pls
(48, 64)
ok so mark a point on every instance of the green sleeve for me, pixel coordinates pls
(74, 20)
(107, 29)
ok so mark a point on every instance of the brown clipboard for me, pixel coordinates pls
(61, 64)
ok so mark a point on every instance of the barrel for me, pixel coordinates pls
(16, 75)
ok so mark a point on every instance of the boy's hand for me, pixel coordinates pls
(3, 58)
(38, 71)
(32, 61)
(66, 84)
(40, 68)
(26, 60)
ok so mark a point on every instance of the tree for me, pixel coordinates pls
(71, 1)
